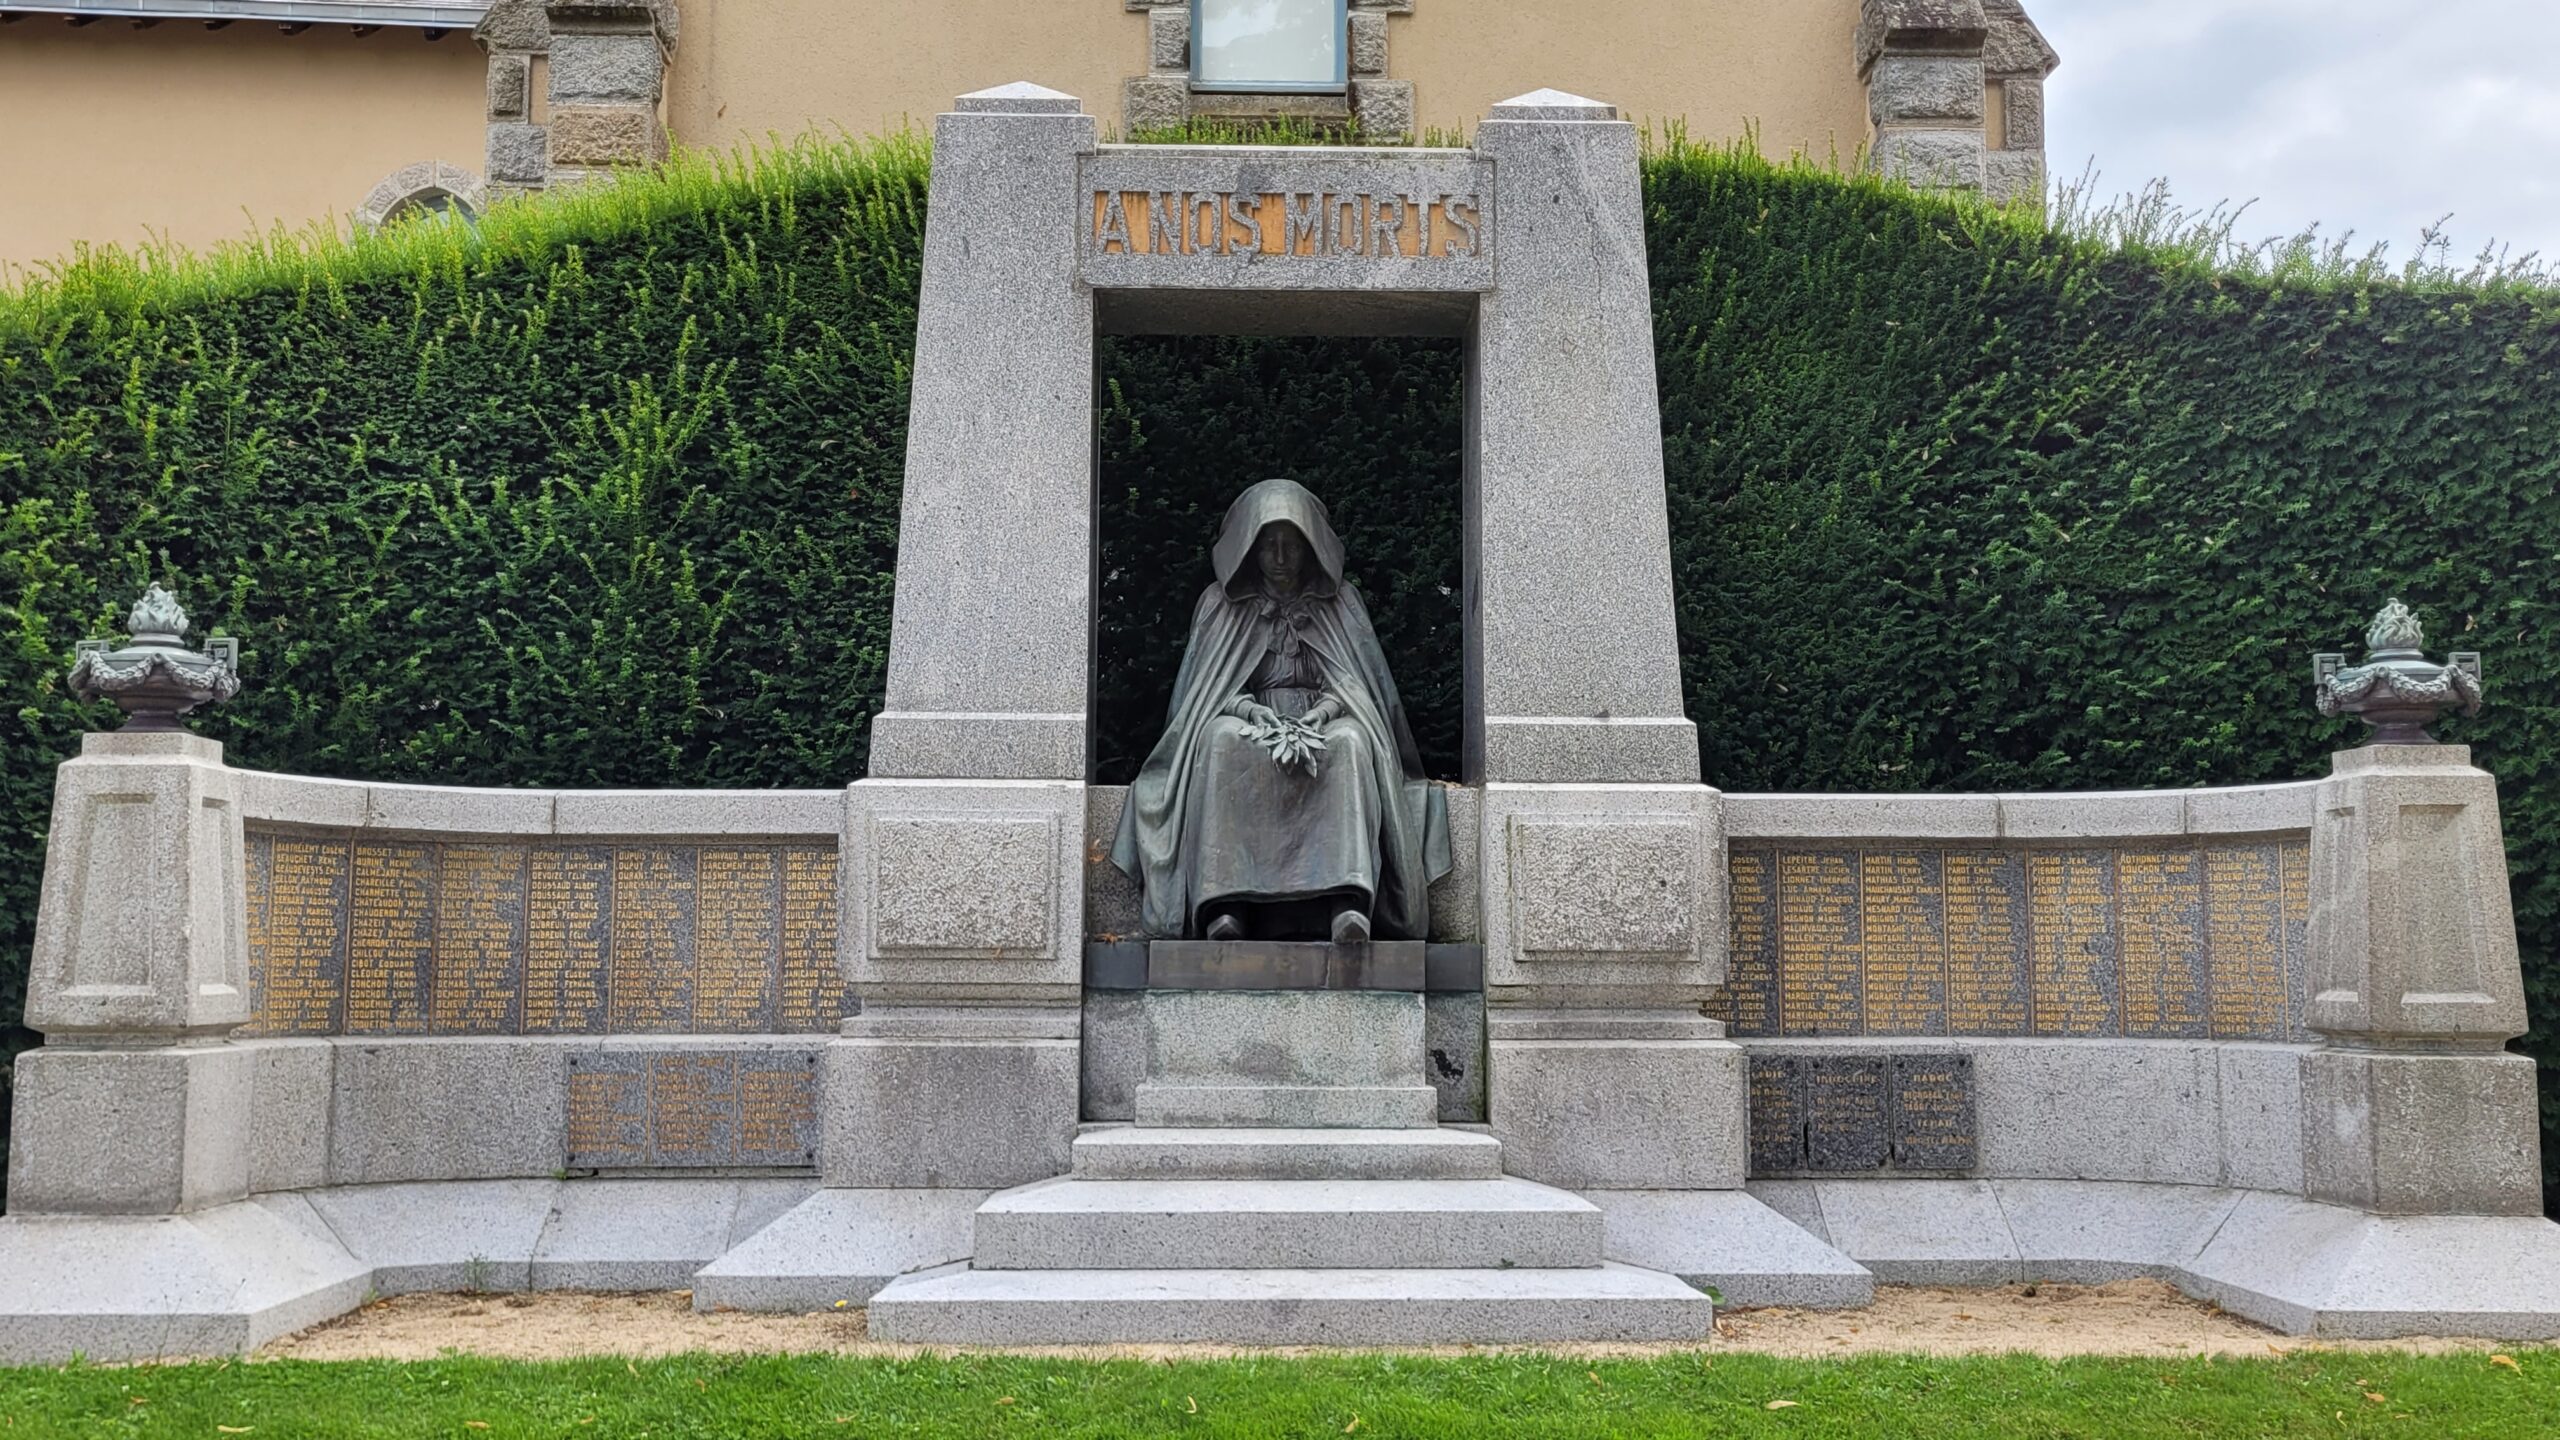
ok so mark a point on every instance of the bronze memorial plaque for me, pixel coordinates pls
(2145, 940)
(427, 937)
(680, 1109)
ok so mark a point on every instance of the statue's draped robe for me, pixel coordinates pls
(1212, 818)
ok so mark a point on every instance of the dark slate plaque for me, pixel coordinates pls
(568, 925)
(1933, 1120)
(1902, 910)
(1749, 1000)
(2160, 943)
(259, 859)
(1987, 928)
(1778, 1092)
(680, 1109)
(1845, 1113)
(391, 937)
(1819, 960)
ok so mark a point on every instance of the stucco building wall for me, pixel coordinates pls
(110, 135)
(751, 68)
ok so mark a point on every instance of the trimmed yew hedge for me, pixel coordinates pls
(606, 493)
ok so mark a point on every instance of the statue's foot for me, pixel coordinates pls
(1227, 926)
(1350, 927)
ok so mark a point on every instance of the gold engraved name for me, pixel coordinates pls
(1305, 223)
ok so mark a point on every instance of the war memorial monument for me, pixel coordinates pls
(1282, 1043)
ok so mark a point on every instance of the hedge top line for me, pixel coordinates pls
(698, 186)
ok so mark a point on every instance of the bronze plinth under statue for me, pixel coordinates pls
(1285, 799)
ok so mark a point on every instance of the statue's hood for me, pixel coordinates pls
(1275, 502)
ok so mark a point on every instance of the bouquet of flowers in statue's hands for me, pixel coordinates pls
(1286, 740)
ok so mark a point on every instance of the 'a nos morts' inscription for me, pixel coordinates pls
(2176, 941)
(1165, 216)
(424, 937)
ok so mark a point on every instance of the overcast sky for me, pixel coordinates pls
(2377, 116)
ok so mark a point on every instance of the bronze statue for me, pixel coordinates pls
(1286, 798)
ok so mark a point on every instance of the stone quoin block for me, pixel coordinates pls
(1169, 39)
(605, 135)
(1925, 88)
(588, 69)
(519, 154)
(510, 86)
(1368, 40)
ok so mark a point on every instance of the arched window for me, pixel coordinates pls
(429, 189)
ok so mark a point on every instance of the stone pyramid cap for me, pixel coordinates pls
(1552, 105)
(1019, 98)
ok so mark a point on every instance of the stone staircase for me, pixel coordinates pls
(1285, 1185)
(1287, 1237)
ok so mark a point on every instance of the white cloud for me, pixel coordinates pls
(2360, 115)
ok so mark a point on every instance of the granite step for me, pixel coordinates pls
(1131, 1152)
(1079, 1224)
(958, 1305)
(1350, 1107)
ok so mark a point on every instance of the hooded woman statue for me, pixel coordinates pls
(1286, 798)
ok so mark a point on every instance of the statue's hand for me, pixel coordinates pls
(1325, 712)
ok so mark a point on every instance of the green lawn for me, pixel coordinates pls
(2328, 1395)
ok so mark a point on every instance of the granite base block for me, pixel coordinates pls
(2308, 1268)
(130, 1132)
(948, 1113)
(216, 1282)
(839, 1247)
(1619, 1114)
(1080, 1224)
(1732, 1245)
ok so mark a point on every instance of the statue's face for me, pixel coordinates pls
(1282, 553)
